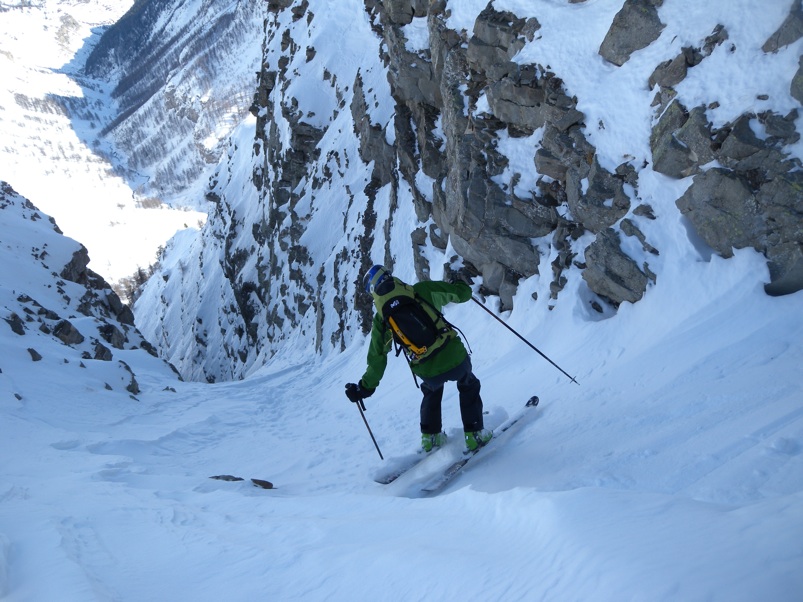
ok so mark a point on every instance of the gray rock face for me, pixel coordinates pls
(728, 214)
(488, 226)
(634, 27)
(498, 36)
(796, 89)
(670, 73)
(781, 201)
(750, 201)
(791, 30)
(723, 211)
(16, 324)
(100, 299)
(373, 146)
(603, 203)
(402, 12)
(67, 333)
(611, 273)
(457, 101)
(491, 228)
(681, 142)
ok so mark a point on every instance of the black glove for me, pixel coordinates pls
(356, 392)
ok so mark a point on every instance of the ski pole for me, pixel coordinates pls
(361, 407)
(533, 347)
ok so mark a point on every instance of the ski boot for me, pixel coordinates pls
(476, 439)
(430, 442)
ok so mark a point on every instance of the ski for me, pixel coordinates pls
(404, 464)
(256, 482)
(440, 481)
(400, 467)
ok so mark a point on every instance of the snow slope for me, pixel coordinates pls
(674, 471)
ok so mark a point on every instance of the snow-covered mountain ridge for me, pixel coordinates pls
(64, 317)
(183, 75)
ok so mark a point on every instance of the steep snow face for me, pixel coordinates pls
(277, 267)
(673, 471)
(50, 119)
(351, 161)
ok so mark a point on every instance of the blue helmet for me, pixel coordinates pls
(375, 277)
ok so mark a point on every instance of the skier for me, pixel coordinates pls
(444, 360)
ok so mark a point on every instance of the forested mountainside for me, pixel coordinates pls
(183, 75)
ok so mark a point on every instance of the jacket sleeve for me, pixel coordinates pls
(442, 293)
(381, 342)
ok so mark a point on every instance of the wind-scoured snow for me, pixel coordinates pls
(673, 471)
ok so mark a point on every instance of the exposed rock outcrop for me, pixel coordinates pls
(612, 273)
(752, 200)
(796, 89)
(59, 303)
(790, 30)
(634, 27)
(729, 212)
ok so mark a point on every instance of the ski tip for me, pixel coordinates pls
(532, 402)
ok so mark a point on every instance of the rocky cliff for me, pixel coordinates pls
(405, 138)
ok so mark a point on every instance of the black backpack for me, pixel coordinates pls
(418, 328)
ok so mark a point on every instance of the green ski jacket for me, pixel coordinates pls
(438, 294)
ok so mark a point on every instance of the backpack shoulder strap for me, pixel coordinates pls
(445, 321)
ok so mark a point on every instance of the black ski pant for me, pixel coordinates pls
(468, 386)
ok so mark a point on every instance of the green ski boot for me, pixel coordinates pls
(430, 442)
(476, 439)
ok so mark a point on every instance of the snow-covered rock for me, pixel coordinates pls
(62, 314)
